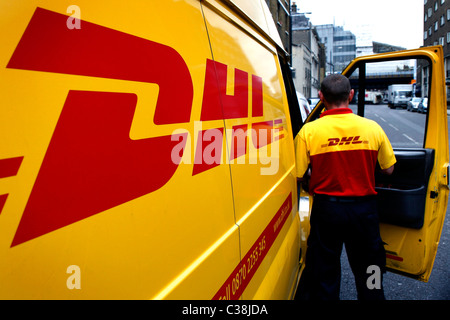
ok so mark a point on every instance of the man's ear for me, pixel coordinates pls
(350, 96)
(321, 96)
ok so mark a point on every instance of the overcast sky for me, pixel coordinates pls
(395, 22)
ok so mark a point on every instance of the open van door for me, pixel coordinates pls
(413, 200)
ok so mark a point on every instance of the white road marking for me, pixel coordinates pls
(409, 138)
(393, 127)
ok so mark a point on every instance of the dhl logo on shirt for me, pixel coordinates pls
(344, 141)
(91, 163)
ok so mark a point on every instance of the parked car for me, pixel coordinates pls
(423, 106)
(305, 107)
(313, 102)
(413, 104)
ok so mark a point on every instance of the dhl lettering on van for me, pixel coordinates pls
(92, 133)
(210, 150)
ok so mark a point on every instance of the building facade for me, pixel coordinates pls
(280, 10)
(326, 32)
(436, 31)
(340, 46)
(307, 55)
(344, 51)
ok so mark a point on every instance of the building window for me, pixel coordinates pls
(429, 31)
(436, 26)
(430, 12)
(447, 72)
(448, 14)
(435, 6)
(442, 20)
(425, 76)
(425, 35)
(448, 37)
(279, 15)
(441, 41)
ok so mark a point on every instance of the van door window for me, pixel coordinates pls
(395, 95)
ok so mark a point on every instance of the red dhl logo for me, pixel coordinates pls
(344, 141)
(90, 150)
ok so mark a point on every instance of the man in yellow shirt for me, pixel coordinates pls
(342, 150)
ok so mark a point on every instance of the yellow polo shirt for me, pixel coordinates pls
(343, 149)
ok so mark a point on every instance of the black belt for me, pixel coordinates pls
(325, 197)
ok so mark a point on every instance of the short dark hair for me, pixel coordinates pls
(336, 89)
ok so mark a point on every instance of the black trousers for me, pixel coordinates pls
(334, 222)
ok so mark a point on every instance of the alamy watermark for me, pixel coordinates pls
(374, 280)
(230, 146)
(74, 21)
(74, 280)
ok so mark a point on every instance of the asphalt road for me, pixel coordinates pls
(405, 129)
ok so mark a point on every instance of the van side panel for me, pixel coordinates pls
(146, 152)
(265, 195)
(100, 199)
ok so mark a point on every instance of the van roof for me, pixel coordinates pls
(258, 13)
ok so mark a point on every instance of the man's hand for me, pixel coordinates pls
(388, 171)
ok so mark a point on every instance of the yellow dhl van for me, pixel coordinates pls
(147, 152)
